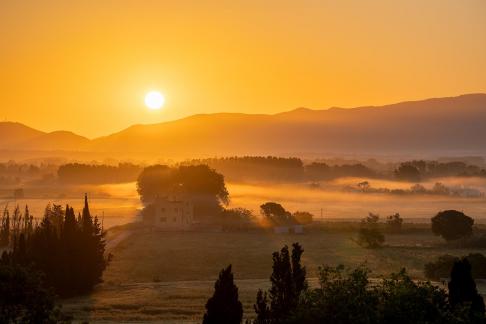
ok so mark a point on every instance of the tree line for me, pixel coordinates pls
(267, 168)
(348, 295)
(417, 170)
(77, 173)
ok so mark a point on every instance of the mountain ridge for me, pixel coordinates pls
(449, 123)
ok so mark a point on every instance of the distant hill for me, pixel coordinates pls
(454, 125)
(13, 133)
(16, 136)
(58, 140)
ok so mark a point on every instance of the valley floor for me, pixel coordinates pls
(168, 276)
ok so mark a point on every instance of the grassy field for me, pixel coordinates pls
(169, 276)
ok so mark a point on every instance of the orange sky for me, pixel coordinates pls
(86, 65)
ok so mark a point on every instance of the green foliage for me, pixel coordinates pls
(204, 186)
(369, 235)
(77, 173)
(408, 172)
(343, 297)
(262, 308)
(321, 171)
(23, 298)
(302, 217)
(436, 169)
(155, 180)
(68, 251)
(475, 241)
(259, 168)
(441, 268)
(288, 281)
(5, 228)
(394, 223)
(452, 225)
(463, 292)
(275, 213)
(403, 300)
(161, 180)
(349, 296)
(236, 218)
(224, 306)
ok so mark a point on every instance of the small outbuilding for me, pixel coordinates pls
(287, 229)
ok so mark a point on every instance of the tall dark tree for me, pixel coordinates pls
(288, 281)
(282, 296)
(298, 271)
(462, 290)
(87, 220)
(224, 306)
(92, 250)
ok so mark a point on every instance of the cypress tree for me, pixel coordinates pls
(27, 221)
(462, 290)
(87, 221)
(281, 292)
(288, 281)
(224, 306)
(298, 271)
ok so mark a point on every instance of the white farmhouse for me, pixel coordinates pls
(170, 214)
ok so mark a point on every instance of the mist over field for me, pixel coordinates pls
(234, 161)
(119, 204)
(337, 204)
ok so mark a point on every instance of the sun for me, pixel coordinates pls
(154, 100)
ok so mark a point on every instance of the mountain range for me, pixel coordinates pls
(452, 125)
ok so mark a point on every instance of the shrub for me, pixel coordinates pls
(441, 268)
(394, 223)
(369, 235)
(236, 218)
(23, 298)
(275, 213)
(348, 296)
(303, 217)
(471, 242)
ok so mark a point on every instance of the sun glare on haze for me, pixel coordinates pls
(154, 100)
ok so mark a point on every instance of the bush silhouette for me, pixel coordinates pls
(369, 235)
(452, 225)
(224, 306)
(23, 298)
